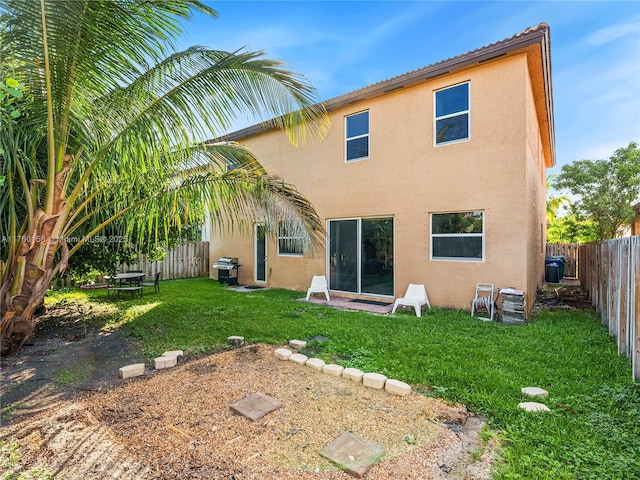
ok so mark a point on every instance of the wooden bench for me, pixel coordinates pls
(132, 290)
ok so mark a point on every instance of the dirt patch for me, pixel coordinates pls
(176, 423)
(68, 354)
(562, 297)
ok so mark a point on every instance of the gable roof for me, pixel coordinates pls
(534, 39)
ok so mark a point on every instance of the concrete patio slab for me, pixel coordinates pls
(350, 304)
(255, 406)
(352, 453)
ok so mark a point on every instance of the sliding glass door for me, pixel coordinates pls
(343, 255)
(361, 255)
(376, 269)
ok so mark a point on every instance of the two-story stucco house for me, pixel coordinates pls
(436, 177)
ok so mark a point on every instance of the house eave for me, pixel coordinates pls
(532, 36)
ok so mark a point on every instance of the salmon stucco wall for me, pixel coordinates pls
(536, 200)
(499, 170)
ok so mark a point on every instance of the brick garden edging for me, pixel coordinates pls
(371, 380)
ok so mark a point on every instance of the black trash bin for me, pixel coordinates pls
(552, 273)
(560, 261)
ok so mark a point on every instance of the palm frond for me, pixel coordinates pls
(130, 115)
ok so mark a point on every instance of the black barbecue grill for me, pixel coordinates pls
(227, 270)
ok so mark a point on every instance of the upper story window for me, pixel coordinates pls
(290, 242)
(452, 114)
(457, 236)
(357, 136)
(232, 164)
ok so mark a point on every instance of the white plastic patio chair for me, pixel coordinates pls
(416, 297)
(483, 300)
(319, 285)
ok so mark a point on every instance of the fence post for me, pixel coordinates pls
(612, 260)
(622, 301)
(634, 310)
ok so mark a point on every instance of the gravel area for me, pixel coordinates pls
(177, 424)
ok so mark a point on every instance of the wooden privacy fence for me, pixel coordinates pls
(610, 272)
(184, 261)
(570, 252)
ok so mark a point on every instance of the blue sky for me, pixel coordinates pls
(341, 46)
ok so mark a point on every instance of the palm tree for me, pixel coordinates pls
(113, 133)
(554, 203)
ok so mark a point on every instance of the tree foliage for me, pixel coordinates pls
(569, 229)
(604, 193)
(113, 136)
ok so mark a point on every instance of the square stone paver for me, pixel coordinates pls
(352, 453)
(535, 392)
(256, 406)
(534, 407)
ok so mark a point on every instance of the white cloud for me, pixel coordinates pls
(613, 32)
(618, 82)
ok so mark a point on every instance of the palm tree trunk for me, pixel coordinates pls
(29, 274)
(26, 282)
(30, 271)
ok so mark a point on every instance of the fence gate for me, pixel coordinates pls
(570, 252)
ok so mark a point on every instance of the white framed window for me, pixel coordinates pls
(290, 242)
(458, 236)
(357, 136)
(232, 164)
(452, 114)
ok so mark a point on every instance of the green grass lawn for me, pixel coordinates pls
(592, 431)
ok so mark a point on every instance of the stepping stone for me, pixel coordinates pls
(299, 358)
(283, 353)
(397, 387)
(174, 353)
(297, 344)
(535, 392)
(352, 454)
(333, 370)
(534, 407)
(129, 371)
(255, 406)
(353, 374)
(164, 362)
(315, 363)
(374, 380)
